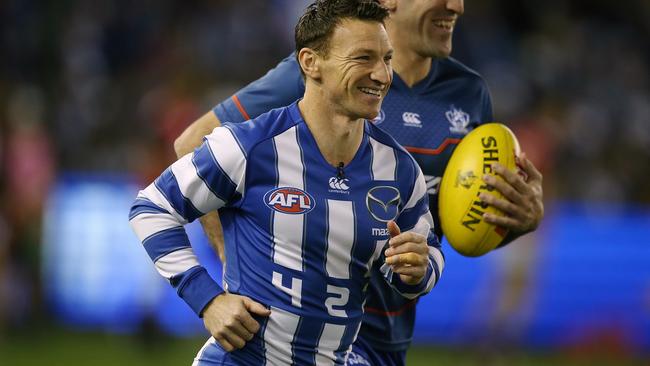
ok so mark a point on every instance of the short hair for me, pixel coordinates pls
(316, 25)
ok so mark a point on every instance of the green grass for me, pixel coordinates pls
(64, 348)
(54, 347)
(429, 356)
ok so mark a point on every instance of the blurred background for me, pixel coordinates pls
(93, 94)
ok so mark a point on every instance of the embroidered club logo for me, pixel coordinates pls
(289, 200)
(458, 120)
(383, 203)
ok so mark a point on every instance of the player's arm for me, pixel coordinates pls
(189, 140)
(186, 190)
(281, 86)
(193, 135)
(415, 255)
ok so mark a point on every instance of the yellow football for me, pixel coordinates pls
(460, 209)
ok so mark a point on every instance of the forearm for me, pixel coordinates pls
(180, 195)
(212, 228)
(193, 135)
(159, 226)
(409, 290)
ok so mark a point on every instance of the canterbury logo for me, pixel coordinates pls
(411, 118)
(339, 184)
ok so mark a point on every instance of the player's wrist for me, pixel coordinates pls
(198, 289)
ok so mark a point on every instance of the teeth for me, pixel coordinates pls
(371, 91)
(445, 24)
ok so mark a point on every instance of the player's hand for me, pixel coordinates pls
(228, 318)
(407, 254)
(523, 206)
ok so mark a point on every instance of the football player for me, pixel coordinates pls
(311, 196)
(433, 102)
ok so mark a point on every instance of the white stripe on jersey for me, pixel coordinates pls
(384, 161)
(199, 355)
(356, 335)
(193, 187)
(147, 224)
(231, 158)
(424, 224)
(287, 236)
(288, 228)
(176, 262)
(340, 238)
(419, 190)
(437, 256)
(278, 335)
(290, 167)
(153, 194)
(379, 246)
(329, 342)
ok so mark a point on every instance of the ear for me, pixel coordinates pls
(391, 5)
(310, 63)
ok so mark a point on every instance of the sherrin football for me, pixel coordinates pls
(460, 209)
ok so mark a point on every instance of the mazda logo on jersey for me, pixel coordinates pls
(383, 203)
(289, 200)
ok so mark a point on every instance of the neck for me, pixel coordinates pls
(409, 65)
(338, 137)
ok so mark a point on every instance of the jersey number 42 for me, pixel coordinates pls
(337, 296)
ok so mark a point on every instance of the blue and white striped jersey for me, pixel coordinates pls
(429, 119)
(301, 235)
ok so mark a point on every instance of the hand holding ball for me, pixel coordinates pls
(460, 208)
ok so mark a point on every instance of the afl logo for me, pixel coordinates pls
(383, 203)
(289, 200)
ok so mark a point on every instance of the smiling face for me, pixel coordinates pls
(426, 26)
(355, 69)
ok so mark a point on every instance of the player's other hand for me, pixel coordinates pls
(407, 254)
(523, 206)
(229, 319)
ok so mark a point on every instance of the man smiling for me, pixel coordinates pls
(434, 100)
(299, 255)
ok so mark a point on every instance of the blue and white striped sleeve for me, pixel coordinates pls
(204, 181)
(416, 217)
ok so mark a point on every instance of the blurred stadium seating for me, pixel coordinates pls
(92, 95)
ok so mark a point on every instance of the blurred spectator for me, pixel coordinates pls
(107, 85)
(99, 64)
(28, 170)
